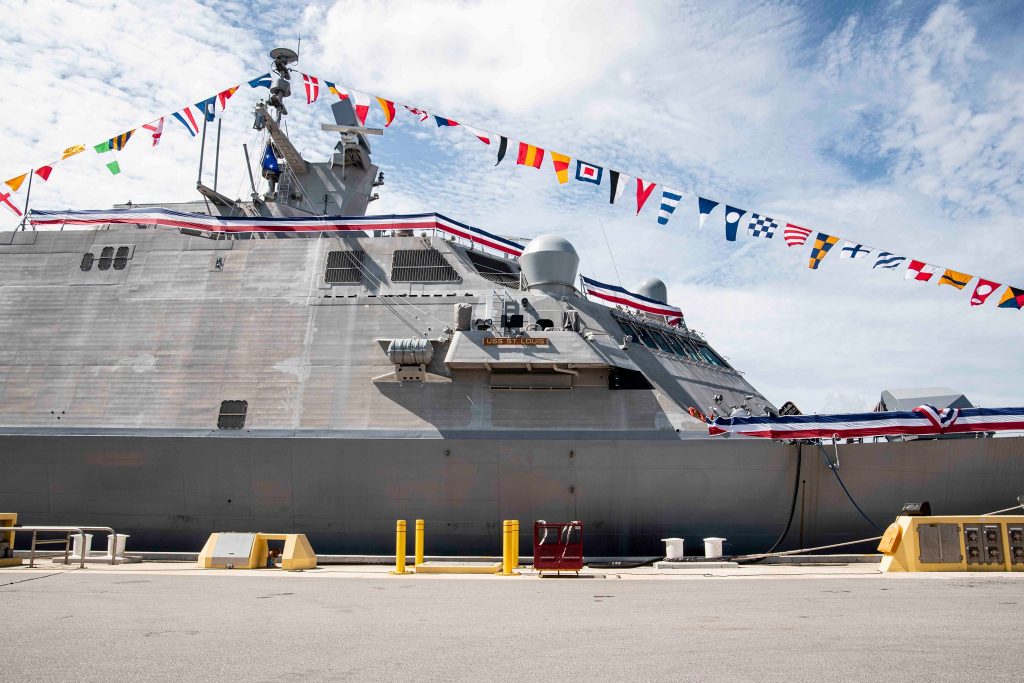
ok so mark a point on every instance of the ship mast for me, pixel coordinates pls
(271, 120)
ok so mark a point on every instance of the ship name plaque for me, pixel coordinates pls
(515, 341)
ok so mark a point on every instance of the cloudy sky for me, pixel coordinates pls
(893, 124)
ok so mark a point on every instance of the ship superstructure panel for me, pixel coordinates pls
(152, 329)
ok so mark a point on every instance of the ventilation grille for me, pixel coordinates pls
(496, 270)
(121, 258)
(106, 256)
(344, 267)
(421, 265)
(232, 414)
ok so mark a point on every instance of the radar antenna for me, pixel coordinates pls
(282, 86)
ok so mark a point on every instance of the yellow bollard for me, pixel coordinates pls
(400, 547)
(419, 542)
(515, 542)
(507, 564)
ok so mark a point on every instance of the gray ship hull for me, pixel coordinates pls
(171, 491)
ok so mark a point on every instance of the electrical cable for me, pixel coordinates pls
(846, 490)
(740, 558)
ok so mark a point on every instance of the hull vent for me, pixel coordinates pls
(496, 270)
(344, 267)
(232, 414)
(421, 265)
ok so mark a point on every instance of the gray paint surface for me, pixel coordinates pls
(345, 494)
(99, 627)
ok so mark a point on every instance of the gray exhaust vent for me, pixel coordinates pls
(421, 265)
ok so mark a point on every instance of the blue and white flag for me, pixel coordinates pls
(851, 250)
(705, 207)
(270, 161)
(588, 173)
(762, 226)
(208, 108)
(732, 222)
(260, 81)
(669, 202)
(887, 260)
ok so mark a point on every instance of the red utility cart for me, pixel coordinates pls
(558, 546)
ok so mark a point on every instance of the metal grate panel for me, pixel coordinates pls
(496, 270)
(344, 267)
(232, 414)
(421, 265)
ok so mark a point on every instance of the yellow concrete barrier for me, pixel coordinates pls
(251, 551)
(954, 543)
(8, 519)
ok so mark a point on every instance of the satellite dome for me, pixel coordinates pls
(653, 288)
(549, 262)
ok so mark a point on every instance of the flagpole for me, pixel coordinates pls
(216, 158)
(28, 195)
(202, 149)
(248, 166)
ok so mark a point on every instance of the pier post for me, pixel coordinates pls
(515, 543)
(419, 543)
(507, 564)
(400, 546)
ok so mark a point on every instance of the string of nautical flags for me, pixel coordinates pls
(638, 190)
(642, 190)
(189, 118)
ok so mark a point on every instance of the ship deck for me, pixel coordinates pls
(169, 620)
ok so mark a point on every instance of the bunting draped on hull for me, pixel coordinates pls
(923, 420)
(261, 224)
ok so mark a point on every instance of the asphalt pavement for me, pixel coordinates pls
(761, 624)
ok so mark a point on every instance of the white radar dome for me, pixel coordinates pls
(549, 262)
(653, 288)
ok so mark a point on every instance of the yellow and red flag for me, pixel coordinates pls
(529, 155)
(561, 163)
(389, 110)
(224, 95)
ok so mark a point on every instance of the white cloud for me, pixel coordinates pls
(900, 135)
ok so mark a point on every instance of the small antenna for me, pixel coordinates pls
(298, 48)
(610, 254)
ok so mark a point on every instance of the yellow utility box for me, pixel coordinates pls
(231, 550)
(954, 543)
(7, 558)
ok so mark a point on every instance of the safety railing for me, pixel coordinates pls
(69, 531)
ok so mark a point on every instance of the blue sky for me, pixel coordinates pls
(896, 125)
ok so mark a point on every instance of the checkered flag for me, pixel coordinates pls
(762, 226)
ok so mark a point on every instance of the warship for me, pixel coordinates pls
(329, 376)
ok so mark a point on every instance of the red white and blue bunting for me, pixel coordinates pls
(203, 223)
(922, 421)
(623, 297)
